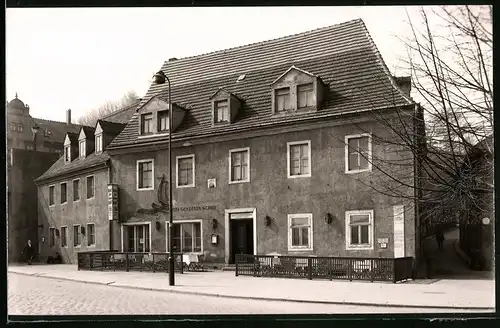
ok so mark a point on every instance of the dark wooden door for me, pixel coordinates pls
(241, 237)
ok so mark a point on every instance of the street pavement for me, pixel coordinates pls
(457, 294)
(31, 295)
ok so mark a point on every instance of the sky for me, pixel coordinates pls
(79, 58)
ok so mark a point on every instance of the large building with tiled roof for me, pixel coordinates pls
(274, 146)
(28, 156)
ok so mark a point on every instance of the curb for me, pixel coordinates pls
(256, 298)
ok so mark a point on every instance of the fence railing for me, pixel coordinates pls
(123, 261)
(371, 269)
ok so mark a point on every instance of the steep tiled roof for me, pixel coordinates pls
(122, 115)
(343, 56)
(59, 167)
(111, 128)
(73, 137)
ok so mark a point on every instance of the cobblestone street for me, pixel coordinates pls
(42, 296)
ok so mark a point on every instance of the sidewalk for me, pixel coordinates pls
(469, 294)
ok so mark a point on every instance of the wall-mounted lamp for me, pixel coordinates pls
(267, 220)
(82, 229)
(157, 225)
(329, 218)
(214, 224)
(43, 239)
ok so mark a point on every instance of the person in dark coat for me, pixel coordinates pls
(440, 239)
(29, 252)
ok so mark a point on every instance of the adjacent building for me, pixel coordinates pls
(72, 193)
(276, 149)
(33, 145)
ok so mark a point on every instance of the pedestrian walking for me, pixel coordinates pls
(29, 252)
(440, 239)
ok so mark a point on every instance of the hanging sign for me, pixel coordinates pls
(112, 202)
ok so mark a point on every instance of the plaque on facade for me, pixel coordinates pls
(112, 202)
(399, 231)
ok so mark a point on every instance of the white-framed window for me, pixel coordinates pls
(163, 122)
(185, 167)
(359, 229)
(358, 153)
(98, 143)
(239, 165)
(64, 236)
(90, 187)
(76, 190)
(64, 192)
(136, 237)
(147, 123)
(305, 95)
(82, 148)
(77, 242)
(145, 174)
(300, 232)
(67, 154)
(299, 159)
(221, 111)
(282, 101)
(52, 195)
(20, 127)
(90, 234)
(52, 237)
(187, 236)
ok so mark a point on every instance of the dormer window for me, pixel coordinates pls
(221, 111)
(147, 123)
(282, 99)
(163, 123)
(305, 95)
(296, 91)
(225, 107)
(82, 148)
(67, 154)
(98, 143)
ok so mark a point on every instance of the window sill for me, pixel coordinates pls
(300, 249)
(185, 186)
(299, 176)
(145, 189)
(153, 135)
(77, 246)
(238, 181)
(358, 171)
(91, 246)
(360, 248)
(91, 198)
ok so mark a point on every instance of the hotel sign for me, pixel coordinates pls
(112, 202)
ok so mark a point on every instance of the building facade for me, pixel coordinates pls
(73, 192)
(276, 146)
(33, 145)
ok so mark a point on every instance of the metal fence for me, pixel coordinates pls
(123, 261)
(371, 269)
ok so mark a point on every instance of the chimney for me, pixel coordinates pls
(172, 59)
(68, 116)
(404, 83)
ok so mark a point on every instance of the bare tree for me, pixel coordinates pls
(90, 118)
(427, 147)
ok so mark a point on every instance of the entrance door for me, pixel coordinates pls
(241, 237)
